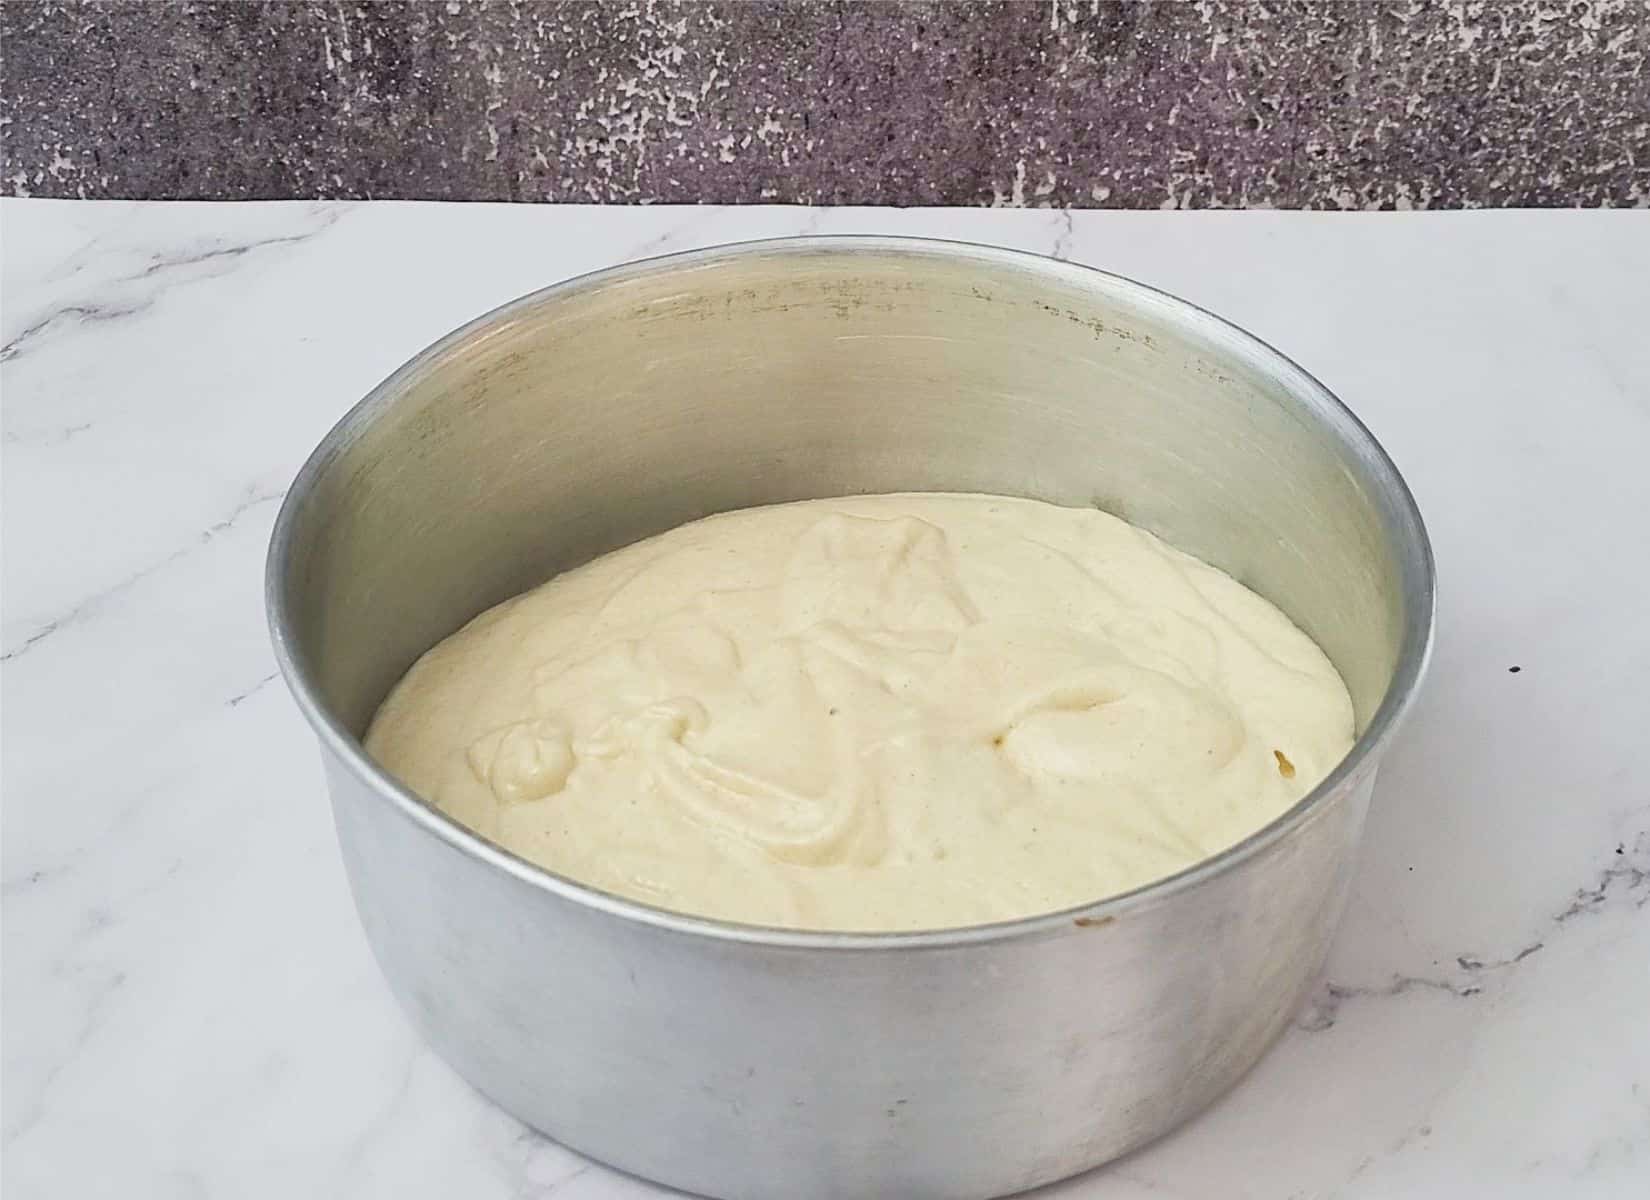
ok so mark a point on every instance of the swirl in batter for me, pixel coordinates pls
(873, 713)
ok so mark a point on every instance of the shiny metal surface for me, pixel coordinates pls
(739, 1061)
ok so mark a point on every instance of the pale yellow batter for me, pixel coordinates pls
(873, 713)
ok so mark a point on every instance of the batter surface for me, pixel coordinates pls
(873, 713)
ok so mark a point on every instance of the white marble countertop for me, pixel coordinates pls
(190, 1009)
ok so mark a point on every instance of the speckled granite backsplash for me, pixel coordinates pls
(1137, 105)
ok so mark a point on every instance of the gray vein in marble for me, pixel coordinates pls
(1324, 1008)
(80, 313)
(69, 865)
(1624, 881)
(1628, 878)
(162, 263)
(662, 243)
(1419, 1130)
(94, 311)
(74, 969)
(107, 982)
(96, 1000)
(816, 217)
(88, 607)
(241, 697)
(1064, 232)
(46, 437)
(526, 1146)
(1468, 963)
